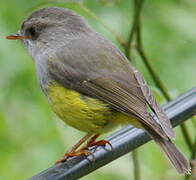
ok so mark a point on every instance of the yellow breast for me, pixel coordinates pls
(82, 112)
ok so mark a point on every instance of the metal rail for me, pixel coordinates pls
(123, 141)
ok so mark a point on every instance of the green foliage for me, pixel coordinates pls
(32, 137)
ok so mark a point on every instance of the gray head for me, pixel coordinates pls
(48, 27)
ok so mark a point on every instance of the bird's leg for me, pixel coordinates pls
(93, 142)
(80, 142)
(74, 152)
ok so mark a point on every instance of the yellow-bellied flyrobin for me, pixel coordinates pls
(90, 84)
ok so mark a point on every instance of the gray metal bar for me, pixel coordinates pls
(123, 141)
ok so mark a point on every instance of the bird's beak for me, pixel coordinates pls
(16, 36)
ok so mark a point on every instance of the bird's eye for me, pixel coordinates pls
(32, 33)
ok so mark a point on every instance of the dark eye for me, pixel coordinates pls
(32, 33)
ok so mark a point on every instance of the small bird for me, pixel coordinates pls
(90, 84)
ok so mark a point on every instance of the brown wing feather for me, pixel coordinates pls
(164, 120)
(121, 99)
(100, 70)
(119, 89)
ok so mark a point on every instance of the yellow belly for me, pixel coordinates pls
(85, 113)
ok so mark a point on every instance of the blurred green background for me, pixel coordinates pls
(32, 137)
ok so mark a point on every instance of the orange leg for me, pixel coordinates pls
(93, 142)
(83, 151)
(74, 152)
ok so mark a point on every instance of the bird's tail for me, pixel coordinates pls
(175, 156)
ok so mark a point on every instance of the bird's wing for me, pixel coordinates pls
(102, 72)
(124, 93)
(155, 107)
(131, 99)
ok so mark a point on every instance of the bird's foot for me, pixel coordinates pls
(99, 143)
(82, 152)
(92, 142)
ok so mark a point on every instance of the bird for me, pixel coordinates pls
(90, 84)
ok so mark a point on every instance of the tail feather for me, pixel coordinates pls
(173, 153)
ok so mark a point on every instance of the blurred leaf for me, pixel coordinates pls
(109, 3)
(158, 95)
